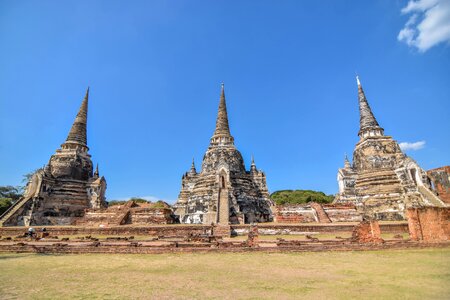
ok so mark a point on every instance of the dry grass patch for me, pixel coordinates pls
(406, 274)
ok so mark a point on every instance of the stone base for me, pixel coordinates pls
(367, 232)
(222, 230)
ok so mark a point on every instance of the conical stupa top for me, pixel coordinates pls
(346, 162)
(77, 133)
(366, 118)
(193, 170)
(96, 173)
(253, 166)
(222, 127)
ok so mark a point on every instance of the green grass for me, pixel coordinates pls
(400, 274)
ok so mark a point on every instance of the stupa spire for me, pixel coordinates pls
(222, 126)
(253, 166)
(193, 170)
(367, 122)
(77, 133)
(96, 173)
(222, 134)
(346, 162)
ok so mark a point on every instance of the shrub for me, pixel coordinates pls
(300, 197)
(5, 203)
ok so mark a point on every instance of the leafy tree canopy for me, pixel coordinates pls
(11, 192)
(300, 197)
(5, 203)
(8, 195)
(121, 202)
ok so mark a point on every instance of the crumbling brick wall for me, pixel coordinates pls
(441, 180)
(315, 212)
(340, 212)
(294, 213)
(429, 224)
(367, 232)
(145, 216)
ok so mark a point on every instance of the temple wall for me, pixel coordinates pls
(145, 216)
(186, 230)
(295, 213)
(441, 180)
(308, 213)
(342, 213)
(429, 224)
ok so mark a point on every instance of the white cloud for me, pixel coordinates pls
(428, 26)
(412, 146)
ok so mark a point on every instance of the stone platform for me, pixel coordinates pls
(187, 230)
(192, 238)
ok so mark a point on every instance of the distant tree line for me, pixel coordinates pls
(157, 204)
(300, 197)
(8, 196)
(121, 202)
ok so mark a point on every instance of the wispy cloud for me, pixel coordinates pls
(428, 25)
(412, 146)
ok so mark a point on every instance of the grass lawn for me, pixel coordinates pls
(395, 274)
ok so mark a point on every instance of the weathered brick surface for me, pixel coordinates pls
(129, 213)
(320, 212)
(295, 213)
(429, 224)
(342, 212)
(316, 213)
(139, 248)
(441, 180)
(222, 230)
(367, 232)
(187, 230)
(253, 236)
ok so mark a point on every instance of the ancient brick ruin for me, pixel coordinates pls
(60, 193)
(223, 191)
(429, 224)
(216, 203)
(129, 213)
(440, 178)
(382, 181)
(316, 213)
(367, 232)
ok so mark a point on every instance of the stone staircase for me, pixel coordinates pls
(224, 210)
(430, 196)
(13, 209)
(378, 182)
(321, 214)
(112, 216)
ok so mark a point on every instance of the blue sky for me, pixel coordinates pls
(155, 68)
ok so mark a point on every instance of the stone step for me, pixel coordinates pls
(13, 209)
(430, 196)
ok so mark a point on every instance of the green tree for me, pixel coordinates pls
(27, 177)
(5, 203)
(8, 195)
(300, 197)
(121, 202)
